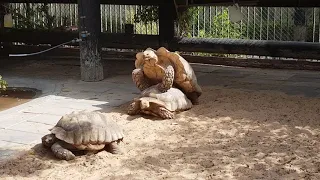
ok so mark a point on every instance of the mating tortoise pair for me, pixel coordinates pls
(167, 82)
(167, 68)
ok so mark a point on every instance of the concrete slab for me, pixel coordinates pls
(19, 137)
(47, 119)
(8, 121)
(32, 127)
(48, 109)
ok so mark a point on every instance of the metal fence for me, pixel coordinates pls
(55, 16)
(259, 23)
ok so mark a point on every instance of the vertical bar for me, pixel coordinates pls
(314, 25)
(241, 25)
(319, 24)
(248, 14)
(110, 19)
(261, 19)
(215, 15)
(274, 24)
(136, 10)
(204, 19)
(254, 22)
(193, 26)
(210, 19)
(281, 28)
(222, 29)
(228, 28)
(198, 29)
(288, 26)
(268, 19)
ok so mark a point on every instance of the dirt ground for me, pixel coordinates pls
(231, 134)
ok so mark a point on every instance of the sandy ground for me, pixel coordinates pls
(232, 134)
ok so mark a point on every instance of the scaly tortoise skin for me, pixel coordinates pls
(83, 130)
(153, 67)
(161, 104)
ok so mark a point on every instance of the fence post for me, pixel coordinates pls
(300, 29)
(167, 15)
(90, 48)
(3, 45)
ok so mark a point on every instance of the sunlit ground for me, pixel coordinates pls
(240, 130)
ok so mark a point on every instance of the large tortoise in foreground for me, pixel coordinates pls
(84, 130)
(152, 67)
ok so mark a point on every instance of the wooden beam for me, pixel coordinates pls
(90, 49)
(259, 3)
(288, 49)
(291, 49)
(72, 53)
(115, 2)
(112, 40)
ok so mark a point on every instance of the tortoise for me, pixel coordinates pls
(83, 130)
(152, 66)
(161, 104)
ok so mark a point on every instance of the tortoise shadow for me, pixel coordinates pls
(27, 163)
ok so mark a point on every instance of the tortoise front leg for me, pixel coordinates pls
(167, 80)
(61, 152)
(140, 79)
(113, 148)
(164, 113)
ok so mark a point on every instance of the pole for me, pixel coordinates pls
(90, 49)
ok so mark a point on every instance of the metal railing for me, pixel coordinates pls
(259, 23)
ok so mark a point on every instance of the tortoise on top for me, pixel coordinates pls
(168, 68)
(84, 130)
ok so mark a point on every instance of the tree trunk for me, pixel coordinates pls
(90, 49)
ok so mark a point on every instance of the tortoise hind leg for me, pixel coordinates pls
(113, 148)
(60, 152)
(164, 113)
(167, 80)
(140, 79)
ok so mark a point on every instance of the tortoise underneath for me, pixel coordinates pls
(84, 130)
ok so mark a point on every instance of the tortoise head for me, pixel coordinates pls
(150, 55)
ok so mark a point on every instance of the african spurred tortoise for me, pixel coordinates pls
(152, 66)
(83, 130)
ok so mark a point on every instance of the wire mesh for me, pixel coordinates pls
(65, 17)
(258, 23)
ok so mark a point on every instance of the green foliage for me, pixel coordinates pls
(147, 14)
(3, 84)
(185, 20)
(222, 27)
(37, 17)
